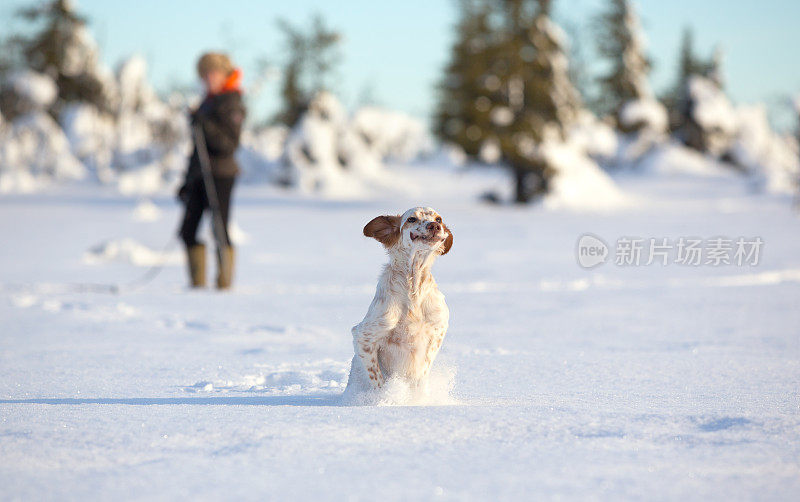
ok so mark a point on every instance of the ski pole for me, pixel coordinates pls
(217, 225)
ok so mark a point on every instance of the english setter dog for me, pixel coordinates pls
(407, 320)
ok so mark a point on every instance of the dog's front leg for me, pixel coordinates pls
(367, 339)
(366, 344)
(431, 351)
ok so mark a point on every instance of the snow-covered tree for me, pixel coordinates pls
(141, 143)
(463, 114)
(700, 114)
(796, 105)
(33, 148)
(677, 100)
(770, 158)
(540, 102)
(63, 49)
(709, 122)
(116, 126)
(312, 57)
(507, 95)
(625, 91)
(332, 153)
(148, 128)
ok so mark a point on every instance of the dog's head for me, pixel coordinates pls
(418, 229)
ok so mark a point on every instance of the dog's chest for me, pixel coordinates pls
(410, 331)
(417, 325)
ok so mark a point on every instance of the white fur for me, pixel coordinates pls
(405, 325)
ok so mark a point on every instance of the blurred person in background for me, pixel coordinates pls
(219, 117)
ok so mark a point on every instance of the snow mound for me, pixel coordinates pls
(579, 183)
(146, 211)
(285, 379)
(18, 182)
(673, 158)
(130, 251)
(593, 136)
(143, 180)
(237, 234)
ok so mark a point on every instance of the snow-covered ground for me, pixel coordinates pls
(556, 382)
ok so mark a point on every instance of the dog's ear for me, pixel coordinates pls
(385, 229)
(448, 242)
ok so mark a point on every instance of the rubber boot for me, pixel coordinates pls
(197, 265)
(225, 269)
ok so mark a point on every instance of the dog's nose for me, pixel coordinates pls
(433, 226)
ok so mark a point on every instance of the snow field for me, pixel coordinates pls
(553, 382)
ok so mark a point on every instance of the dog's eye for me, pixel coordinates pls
(412, 220)
(438, 219)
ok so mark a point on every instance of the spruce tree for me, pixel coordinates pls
(464, 105)
(681, 103)
(62, 49)
(539, 94)
(293, 98)
(312, 58)
(621, 43)
(689, 64)
(713, 69)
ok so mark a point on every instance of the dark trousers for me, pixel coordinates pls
(197, 202)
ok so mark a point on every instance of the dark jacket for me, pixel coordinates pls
(220, 116)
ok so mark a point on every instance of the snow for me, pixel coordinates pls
(141, 180)
(712, 107)
(595, 137)
(18, 182)
(33, 148)
(151, 135)
(260, 153)
(141, 145)
(579, 183)
(773, 158)
(644, 113)
(651, 382)
(146, 211)
(714, 112)
(312, 149)
(335, 155)
(395, 136)
(91, 137)
(34, 143)
(672, 159)
(39, 89)
(128, 251)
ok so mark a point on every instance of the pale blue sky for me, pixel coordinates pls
(398, 48)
